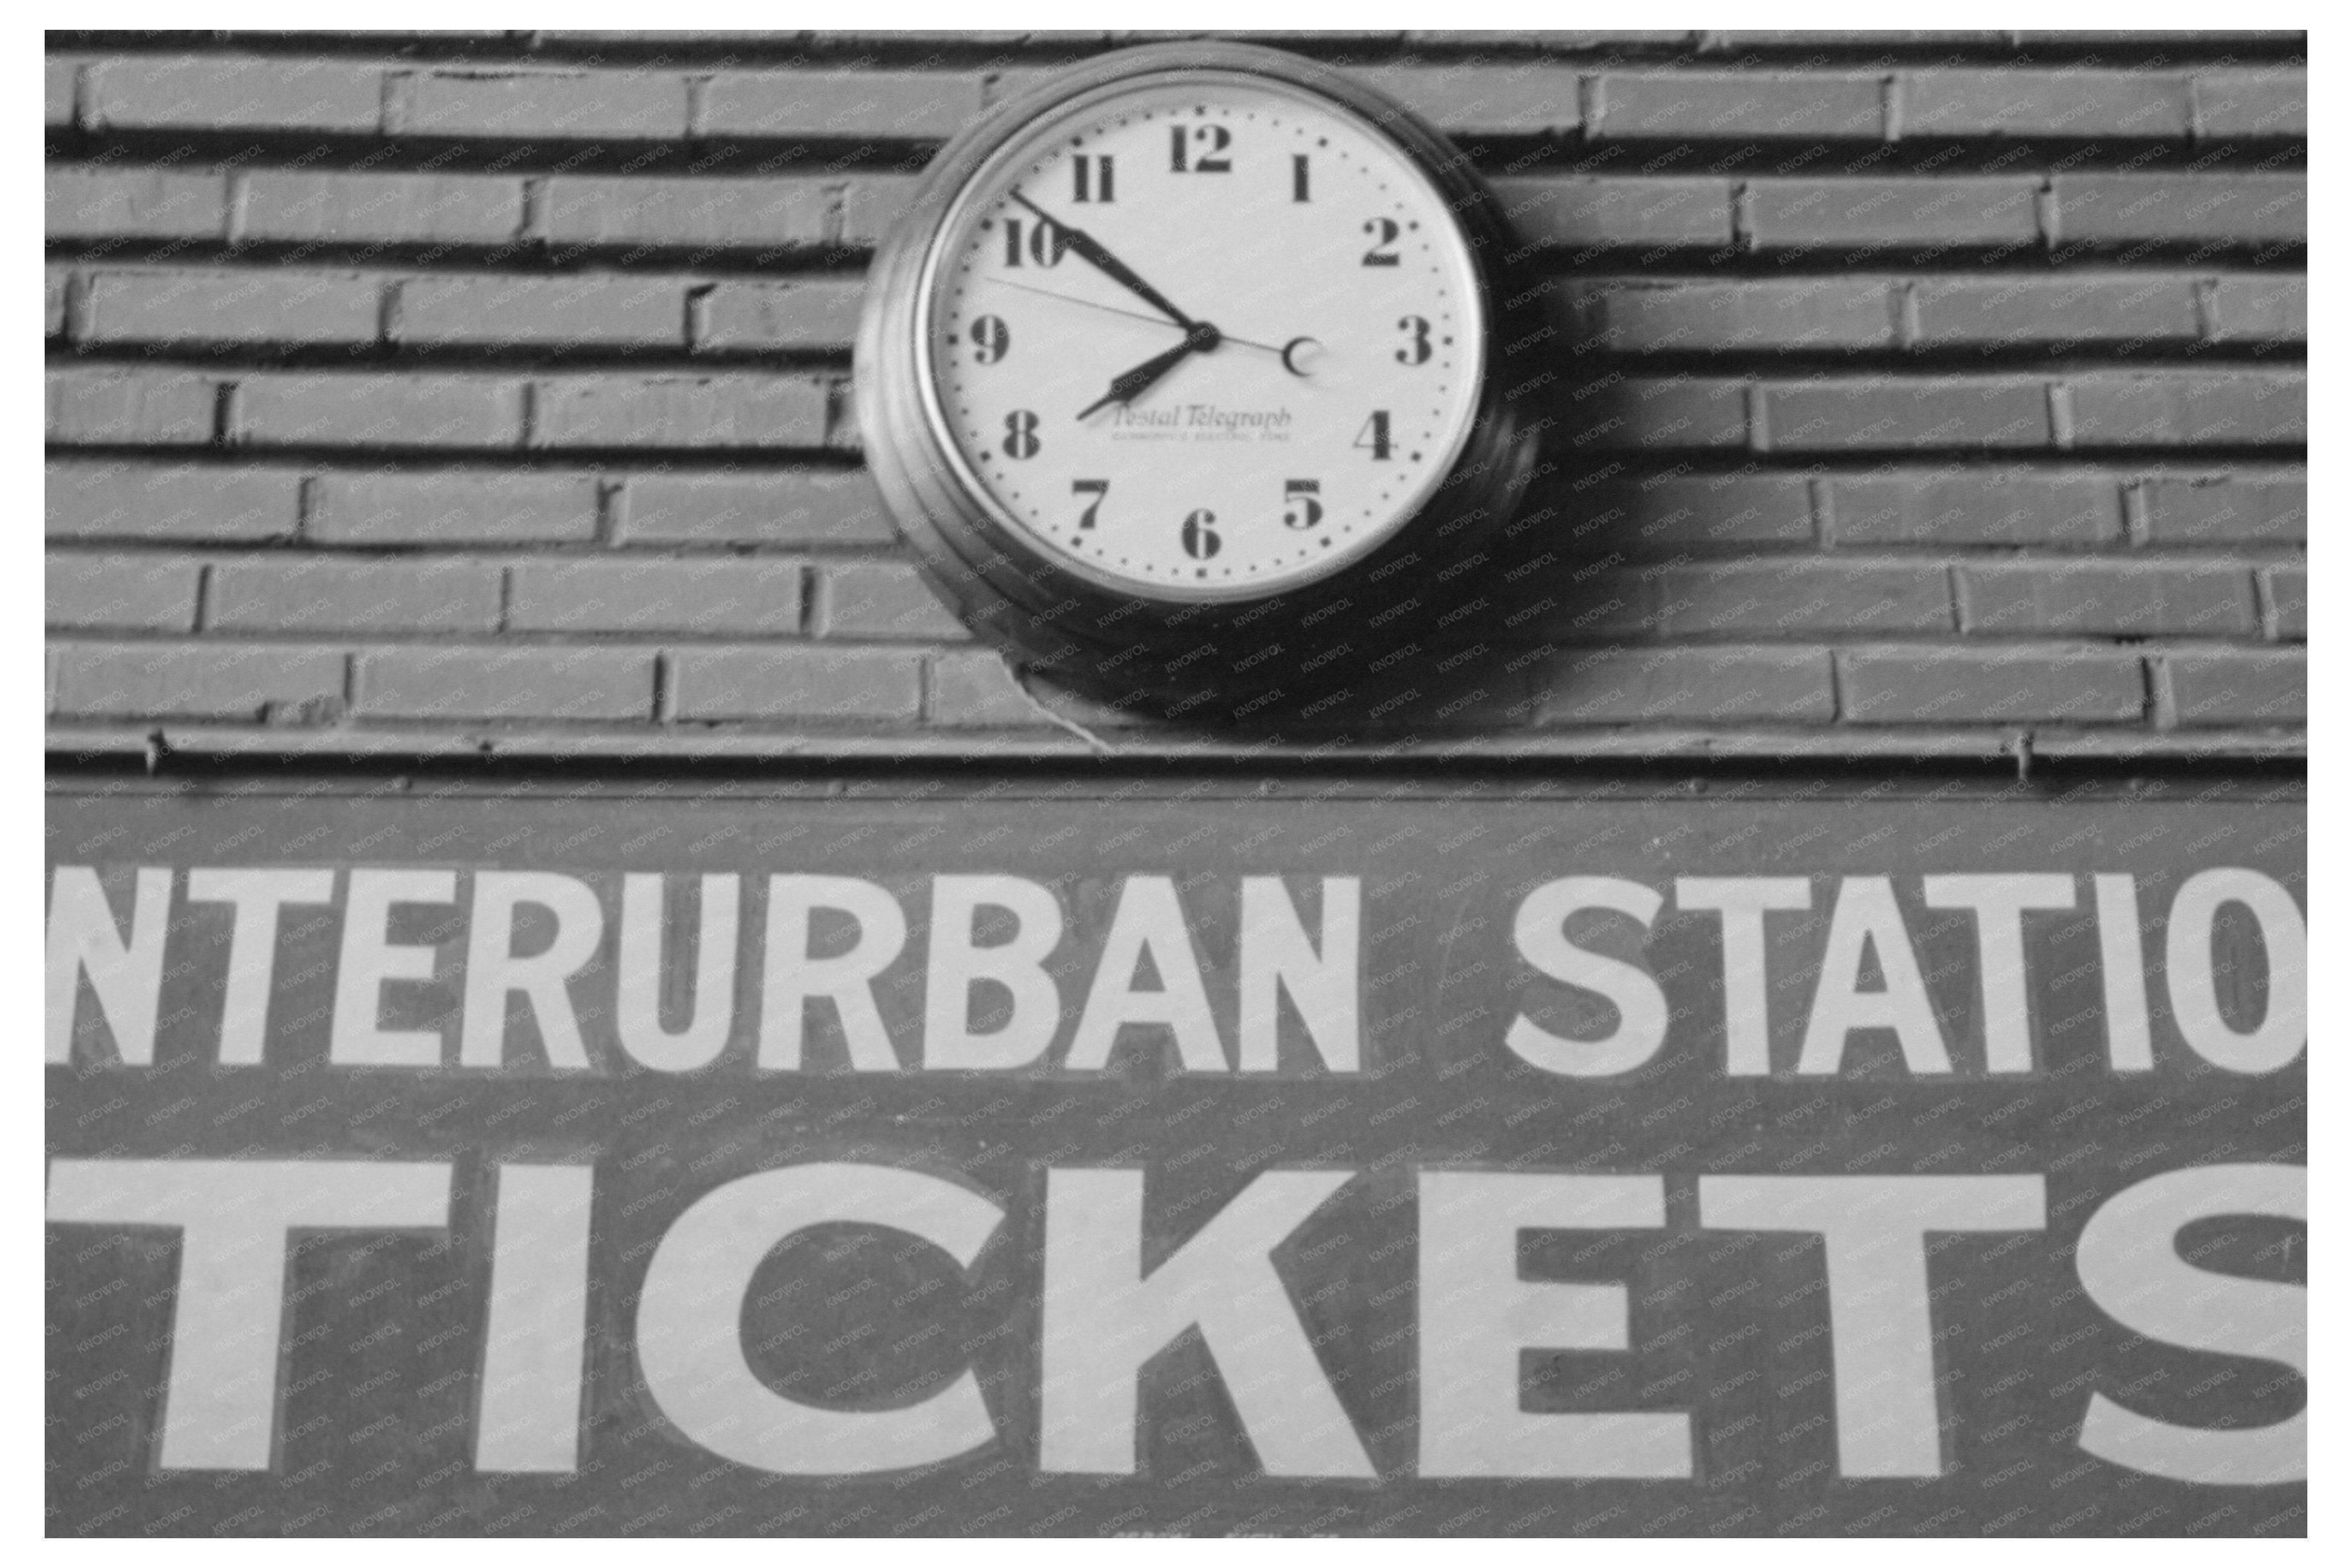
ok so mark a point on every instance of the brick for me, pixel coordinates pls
(871, 203)
(1706, 318)
(2237, 105)
(686, 412)
(1676, 512)
(737, 596)
(59, 80)
(815, 105)
(1698, 105)
(253, 681)
(214, 92)
(542, 682)
(325, 594)
(1967, 210)
(256, 306)
(132, 203)
(977, 690)
(389, 410)
(1618, 686)
(2235, 688)
(1951, 686)
(780, 507)
(2231, 209)
(2284, 602)
(881, 598)
(811, 314)
(2225, 509)
(1769, 597)
(134, 500)
(2188, 408)
(2116, 598)
(1585, 212)
(542, 106)
(160, 408)
(57, 281)
(606, 308)
(2150, 105)
(1877, 413)
(352, 209)
(1531, 97)
(140, 593)
(1677, 411)
(772, 213)
(798, 682)
(453, 508)
(2260, 308)
(1993, 507)
(2148, 308)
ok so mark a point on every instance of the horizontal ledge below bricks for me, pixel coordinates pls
(1562, 743)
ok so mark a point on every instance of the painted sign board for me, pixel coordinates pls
(1071, 1160)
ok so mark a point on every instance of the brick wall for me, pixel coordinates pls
(1912, 393)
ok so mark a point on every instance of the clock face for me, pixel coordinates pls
(1207, 337)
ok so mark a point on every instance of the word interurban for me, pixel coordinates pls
(991, 1001)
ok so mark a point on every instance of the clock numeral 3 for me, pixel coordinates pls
(1021, 433)
(991, 338)
(1092, 177)
(1045, 246)
(1219, 140)
(1199, 536)
(1097, 488)
(1417, 351)
(1300, 508)
(1375, 434)
(1380, 255)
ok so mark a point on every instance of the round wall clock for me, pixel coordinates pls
(1181, 368)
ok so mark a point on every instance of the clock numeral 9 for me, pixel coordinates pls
(1199, 535)
(991, 338)
(1046, 241)
(1021, 433)
(1375, 434)
(1417, 351)
(1380, 255)
(1097, 488)
(1218, 139)
(1307, 511)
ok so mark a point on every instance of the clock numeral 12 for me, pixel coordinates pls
(1021, 433)
(1309, 510)
(1199, 535)
(1097, 488)
(1091, 176)
(1218, 138)
(1375, 434)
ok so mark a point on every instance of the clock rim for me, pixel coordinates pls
(1040, 126)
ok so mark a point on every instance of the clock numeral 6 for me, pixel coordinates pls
(1199, 536)
(1218, 139)
(1097, 488)
(1046, 243)
(1375, 434)
(1417, 351)
(991, 338)
(1386, 231)
(1021, 433)
(1307, 511)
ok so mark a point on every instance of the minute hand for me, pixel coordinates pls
(1118, 271)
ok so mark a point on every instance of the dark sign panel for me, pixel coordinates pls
(1078, 1164)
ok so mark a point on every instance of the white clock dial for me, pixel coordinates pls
(1208, 339)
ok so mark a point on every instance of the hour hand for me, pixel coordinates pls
(1128, 385)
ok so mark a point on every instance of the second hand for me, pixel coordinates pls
(1117, 310)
